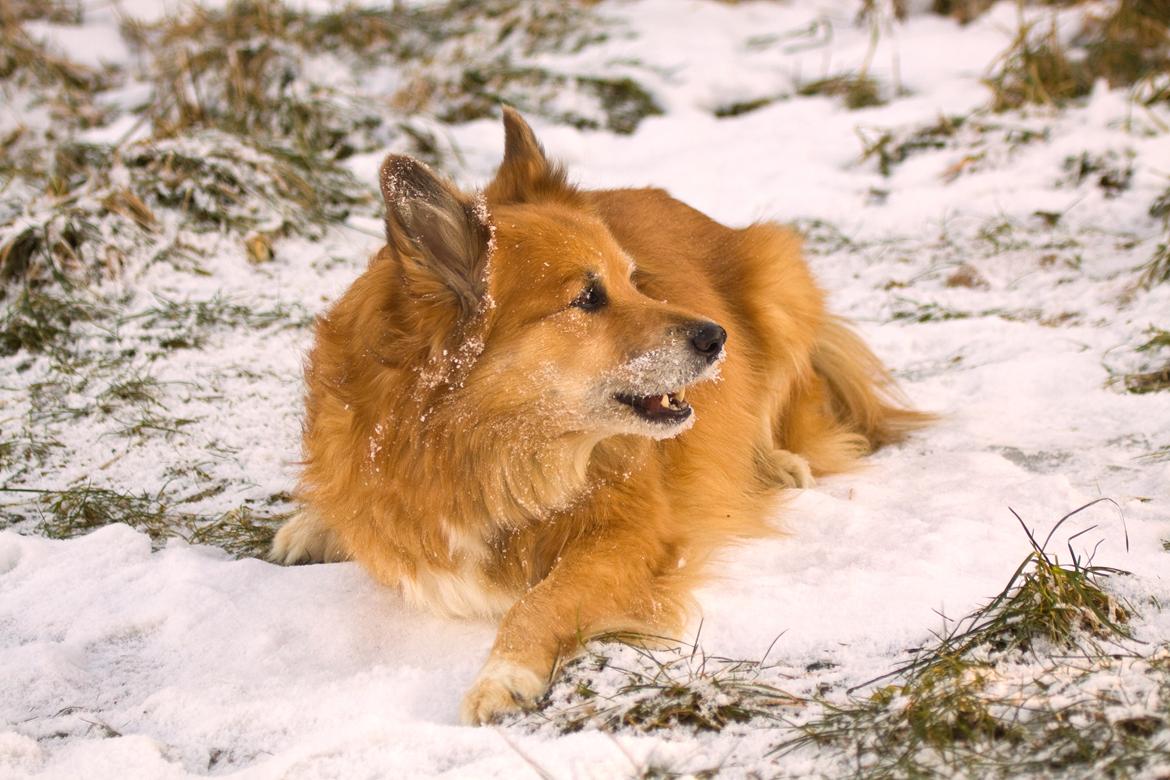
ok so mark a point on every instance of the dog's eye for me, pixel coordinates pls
(591, 298)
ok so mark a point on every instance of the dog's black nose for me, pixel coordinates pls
(708, 338)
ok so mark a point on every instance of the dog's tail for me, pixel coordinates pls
(863, 395)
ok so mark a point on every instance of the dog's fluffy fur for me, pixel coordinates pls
(493, 422)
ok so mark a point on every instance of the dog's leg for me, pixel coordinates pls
(304, 538)
(609, 582)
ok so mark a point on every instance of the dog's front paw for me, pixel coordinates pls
(304, 538)
(502, 687)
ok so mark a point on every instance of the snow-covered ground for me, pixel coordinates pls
(117, 660)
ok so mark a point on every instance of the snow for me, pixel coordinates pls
(116, 661)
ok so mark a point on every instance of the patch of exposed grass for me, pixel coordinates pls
(138, 389)
(40, 322)
(983, 141)
(823, 238)
(974, 702)
(891, 150)
(71, 241)
(907, 310)
(58, 11)
(23, 451)
(1159, 339)
(1126, 44)
(81, 212)
(857, 90)
(74, 512)
(248, 69)
(176, 324)
(1142, 382)
(620, 684)
(134, 401)
(740, 107)
(37, 79)
(220, 181)
(1157, 270)
(963, 11)
(1153, 378)
(99, 208)
(620, 103)
(26, 60)
(464, 58)
(1130, 43)
(1160, 208)
(245, 531)
(1112, 172)
(1037, 68)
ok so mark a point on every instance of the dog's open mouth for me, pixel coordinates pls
(662, 408)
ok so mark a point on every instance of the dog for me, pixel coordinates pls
(551, 406)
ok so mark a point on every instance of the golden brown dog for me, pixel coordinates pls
(553, 405)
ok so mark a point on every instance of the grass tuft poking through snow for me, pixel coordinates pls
(245, 531)
(1158, 377)
(974, 703)
(620, 683)
(1126, 44)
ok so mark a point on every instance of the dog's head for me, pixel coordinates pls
(521, 303)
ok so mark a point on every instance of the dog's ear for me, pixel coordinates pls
(526, 175)
(439, 235)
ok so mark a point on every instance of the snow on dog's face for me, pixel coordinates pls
(530, 316)
(574, 342)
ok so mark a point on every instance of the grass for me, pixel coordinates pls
(254, 109)
(1126, 46)
(1111, 172)
(619, 683)
(856, 90)
(741, 107)
(186, 324)
(37, 321)
(47, 321)
(219, 181)
(1011, 689)
(963, 11)
(1160, 208)
(623, 102)
(981, 138)
(890, 149)
(1148, 381)
(1037, 69)
(1157, 269)
(82, 363)
(1129, 44)
(247, 70)
(1156, 378)
(245, 531)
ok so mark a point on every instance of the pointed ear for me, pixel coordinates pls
(440, 235)
(525, 174)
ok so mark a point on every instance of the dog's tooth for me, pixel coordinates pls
(665, 401)
(681, 395)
